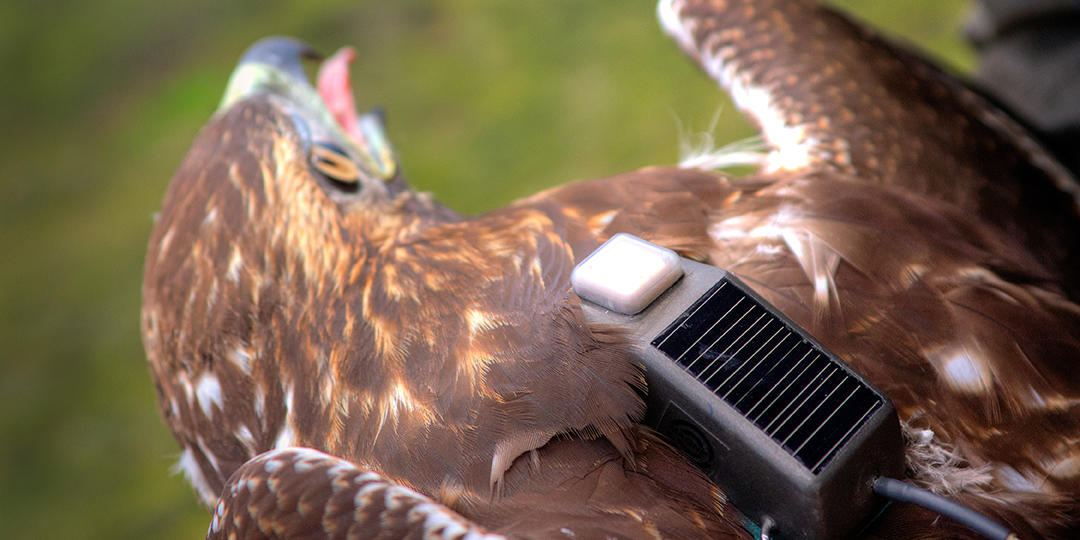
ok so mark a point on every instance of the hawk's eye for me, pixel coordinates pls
(332, 161)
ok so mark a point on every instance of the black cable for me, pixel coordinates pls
(904, 492)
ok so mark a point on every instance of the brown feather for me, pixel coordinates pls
(425, 346)
(830, 94)
(443, 358)
(929, 303)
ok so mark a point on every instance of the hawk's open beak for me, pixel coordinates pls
(274, 65)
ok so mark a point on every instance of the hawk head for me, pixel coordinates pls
(298, 293)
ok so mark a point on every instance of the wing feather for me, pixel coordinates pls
(957, 322)
(828, 93)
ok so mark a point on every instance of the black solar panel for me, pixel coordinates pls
(789, 387)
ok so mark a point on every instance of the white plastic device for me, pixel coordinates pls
(626, 274)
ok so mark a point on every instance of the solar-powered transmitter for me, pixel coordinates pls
(794, 437)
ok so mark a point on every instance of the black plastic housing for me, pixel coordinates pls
(811, 478)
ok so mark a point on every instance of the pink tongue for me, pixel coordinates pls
(336, 91)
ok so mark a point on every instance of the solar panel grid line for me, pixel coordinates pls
(735, 355)
(700, 304)
(717, 340)
(705, 333)
(685, 321)
(843, 438)
(763, 376)
(792, 402)
(724, 352)
(806, 401)
(715, 291)
(744, 343)
(771, 390)
(810, 415)
(756, 365)
(824, 422)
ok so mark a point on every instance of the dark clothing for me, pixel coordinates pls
(1030, 62)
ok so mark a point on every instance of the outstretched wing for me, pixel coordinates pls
(827, 93)
(910, 225)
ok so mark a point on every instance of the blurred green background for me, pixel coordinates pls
(486, 100)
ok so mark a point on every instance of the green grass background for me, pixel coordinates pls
(487, 101)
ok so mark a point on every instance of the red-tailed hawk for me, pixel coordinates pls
(415, 372)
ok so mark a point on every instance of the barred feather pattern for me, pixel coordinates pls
(301, 492)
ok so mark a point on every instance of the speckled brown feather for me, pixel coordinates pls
(422, 346)
(917, 284)
(829, 93)
(445, 355)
